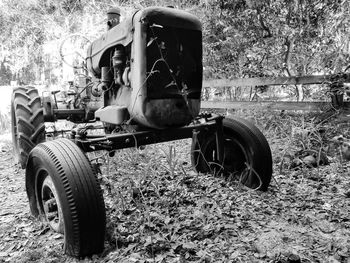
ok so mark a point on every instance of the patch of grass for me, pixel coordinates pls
(5, 122)
(159, 210)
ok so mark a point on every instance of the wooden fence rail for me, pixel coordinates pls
(275, 81)
(271, 105)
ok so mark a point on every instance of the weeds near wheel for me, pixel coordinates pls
(158, 209)
(4, 122)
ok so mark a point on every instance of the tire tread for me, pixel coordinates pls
(28, 116)
(83, 194)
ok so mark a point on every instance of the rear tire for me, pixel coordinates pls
(59, 177)
(247, 155)
(27, 122)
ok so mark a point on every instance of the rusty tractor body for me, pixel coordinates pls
(142, 81)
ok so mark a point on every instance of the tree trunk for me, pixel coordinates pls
(289, 43)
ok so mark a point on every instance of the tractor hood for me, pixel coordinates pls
(170, 17)
(98, 54)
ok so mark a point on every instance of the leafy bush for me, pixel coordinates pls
(5, 122)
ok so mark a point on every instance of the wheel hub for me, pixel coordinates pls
(51, 205)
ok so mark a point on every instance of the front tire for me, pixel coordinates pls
(247, 155)
(63, 189)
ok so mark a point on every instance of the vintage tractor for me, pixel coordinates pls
(144, 87)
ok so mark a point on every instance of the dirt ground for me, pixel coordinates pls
(22, 238)
(303, 217)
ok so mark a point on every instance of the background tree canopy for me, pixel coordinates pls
(241, 38)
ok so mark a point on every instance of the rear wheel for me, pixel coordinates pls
(247, 155)
(27, 122)
(63, 189)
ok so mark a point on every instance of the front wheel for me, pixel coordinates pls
(247, 155)
(64, 191)
(50, 204)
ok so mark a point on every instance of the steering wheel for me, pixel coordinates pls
(73, 50)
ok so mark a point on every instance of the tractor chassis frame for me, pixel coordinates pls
(112, 142)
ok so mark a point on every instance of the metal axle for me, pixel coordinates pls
(112, 142)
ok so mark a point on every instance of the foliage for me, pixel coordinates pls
(242, 38)
(5, 73)
(257, 38)
(159, 210)
(4, 122)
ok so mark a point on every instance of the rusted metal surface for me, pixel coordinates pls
(136, 139)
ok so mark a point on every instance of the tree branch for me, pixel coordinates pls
(289, 43)
(264, 27)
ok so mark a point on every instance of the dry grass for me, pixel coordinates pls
(159, 210)
(5, 122)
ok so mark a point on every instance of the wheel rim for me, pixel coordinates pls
(51, 205)
(235, 157)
